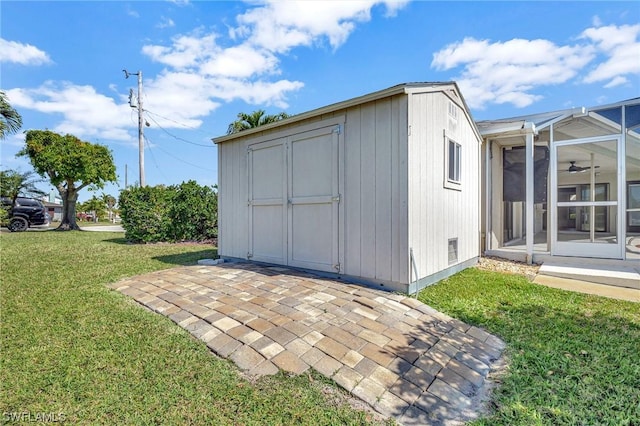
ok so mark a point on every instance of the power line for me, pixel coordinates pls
(183, 161)
(178, 137)
(177, 122)
(153, 157)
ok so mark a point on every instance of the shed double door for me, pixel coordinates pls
(293, 200)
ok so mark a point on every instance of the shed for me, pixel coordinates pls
(382, 189)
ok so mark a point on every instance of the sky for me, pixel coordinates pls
(203, 62)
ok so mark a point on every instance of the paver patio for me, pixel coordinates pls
(402, 357)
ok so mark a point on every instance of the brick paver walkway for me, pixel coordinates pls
(399, 355)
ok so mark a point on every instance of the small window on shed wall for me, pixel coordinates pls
(453, 250)
(453, 164)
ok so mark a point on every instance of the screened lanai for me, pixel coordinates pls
(563, 183)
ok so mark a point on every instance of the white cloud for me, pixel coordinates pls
(254, 92)
(510, 71)
(596, 21)
(182, 96)
(85, 113)
(165, 23)
(202, 55)
(240, 61)
(15, 140)
(245, 68)
(131, 12)
(279, 26)
(186, 51)
(23, 54)
(620, 45)
(617, 81)
(506, 72)
(201, 72)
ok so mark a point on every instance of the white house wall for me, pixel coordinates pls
(436, 213)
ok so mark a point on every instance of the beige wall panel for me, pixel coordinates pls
(367, 191)
(383, 189)
(352, 189)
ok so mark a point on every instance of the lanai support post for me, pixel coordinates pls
(530, 208)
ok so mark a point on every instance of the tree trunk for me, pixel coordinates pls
(69, 199)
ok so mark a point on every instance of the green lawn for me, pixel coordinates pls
(71, 346)
(574, 358)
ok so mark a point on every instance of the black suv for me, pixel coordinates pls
(27, 212)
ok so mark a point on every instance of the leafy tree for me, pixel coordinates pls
(255, 119)
(110, 202)
(10, 119)
(71, 165)
(14, 184)
(95, 206)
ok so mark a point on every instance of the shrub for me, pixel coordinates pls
(185, 212)
(4, 215)
(194, 212)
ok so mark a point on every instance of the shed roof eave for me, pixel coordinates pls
(508, 129)
(404, 88)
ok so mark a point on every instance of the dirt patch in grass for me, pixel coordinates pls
(496, 264)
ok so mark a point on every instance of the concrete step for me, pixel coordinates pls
(616, 275)
(610, 291)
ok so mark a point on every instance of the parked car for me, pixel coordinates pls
(25, 213)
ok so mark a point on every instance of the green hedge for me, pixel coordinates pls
(4, 215)
(185, 212)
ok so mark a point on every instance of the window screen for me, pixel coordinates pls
(455, 151)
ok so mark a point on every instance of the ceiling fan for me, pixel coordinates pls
(577, 169)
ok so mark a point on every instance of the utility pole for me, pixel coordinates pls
(140, 122)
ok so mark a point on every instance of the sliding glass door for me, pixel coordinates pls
(586, 192)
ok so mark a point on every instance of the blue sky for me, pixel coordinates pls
(203, 62)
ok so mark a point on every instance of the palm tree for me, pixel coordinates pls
(110, 201)
(10, 119)
(255, 119)
(13, 184)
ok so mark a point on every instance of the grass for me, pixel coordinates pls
(71, 346)
(574, 358)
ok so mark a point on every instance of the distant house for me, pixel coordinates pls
(53, 204)
(383, 188)
(54, 210)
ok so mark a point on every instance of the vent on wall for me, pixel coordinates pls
(453, 250)
(453, 117)
(453, 110)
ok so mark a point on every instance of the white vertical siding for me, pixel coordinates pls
(399, 192)
(437, 213)
(384, 190)
(367, 191)
(376, 191)
(392, 187)
(352, 185)
(232, 199)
